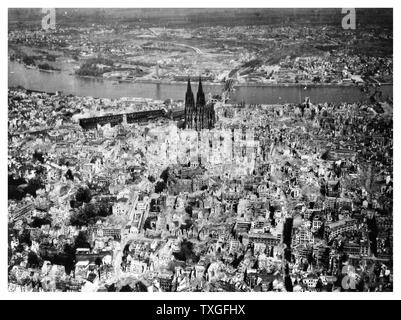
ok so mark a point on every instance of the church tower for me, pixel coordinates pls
(189, 106)
(199, 115)
(200, 107)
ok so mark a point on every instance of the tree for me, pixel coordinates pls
(90, 67)
(104, 210)
(83, 195)
(28, 60)
(90, 214)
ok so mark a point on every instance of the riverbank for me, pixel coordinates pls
(155, 89)
(242, 84)
(305, 85)
(31, 67)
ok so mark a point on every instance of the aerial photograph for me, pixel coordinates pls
(200, 150)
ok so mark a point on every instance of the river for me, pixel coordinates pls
(19, 75)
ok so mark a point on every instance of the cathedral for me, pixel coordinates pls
(198, 115)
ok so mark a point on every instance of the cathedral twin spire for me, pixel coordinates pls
(197, 116)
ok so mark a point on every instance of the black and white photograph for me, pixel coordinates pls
(199, 150)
